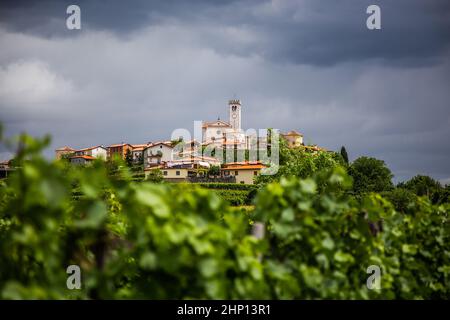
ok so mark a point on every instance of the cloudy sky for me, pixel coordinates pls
(139, 69)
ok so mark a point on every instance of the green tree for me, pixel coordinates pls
(401, 199)
(155, 176)
(214, 171)
(297, 162)
(370, 175)
(423, 186)
(344, 155)
(129, 158)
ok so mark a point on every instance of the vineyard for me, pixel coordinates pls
(138, 239)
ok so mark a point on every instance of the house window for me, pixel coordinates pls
(160, 147)
(236, 173)
(177, 173)
(242, 182)
(255, 173)
(165, 173)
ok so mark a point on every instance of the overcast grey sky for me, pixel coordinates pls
(139, 69)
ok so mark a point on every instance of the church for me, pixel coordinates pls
(226, 134)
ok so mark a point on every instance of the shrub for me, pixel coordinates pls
(131, 240)
(321, 242)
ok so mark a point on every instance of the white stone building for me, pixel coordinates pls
(226, 134)
(98, 152)
(157, 153)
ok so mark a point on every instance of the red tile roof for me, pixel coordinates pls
(119, 145)
(83, 157)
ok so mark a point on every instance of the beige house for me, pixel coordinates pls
(180, 169)
(293, 139)
(60, 152)
(244, 172)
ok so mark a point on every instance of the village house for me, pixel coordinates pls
(244, 172)
(181, 169)
(157, 153)
(5, 168)
(97, 152)
(293, 139)
(81, 160)
(119, 151)
(138, 152)
(63, 151)
(81, 156)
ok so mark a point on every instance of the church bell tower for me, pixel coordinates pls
(235, 113)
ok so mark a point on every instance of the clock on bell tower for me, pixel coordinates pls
(235, 113)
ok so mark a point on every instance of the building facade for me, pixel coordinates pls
(119, 150)
(244, 172)
(98, 152)
(81, 160)
(293, 139)
(63, 151)
(229, 134)
(157, 153)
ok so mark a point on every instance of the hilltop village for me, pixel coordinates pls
(190, 163)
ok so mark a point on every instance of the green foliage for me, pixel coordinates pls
(297, 162)
(168, 241)
(234, 197)
(131, 240)
(155, 176)
(344, 155)
(227, 186)
(400, 198)
(237, 194)
(424, 186)
(416, 246)
(370, 175)
(321, 241)
(421, 185)
(129, 158)
(214, 171)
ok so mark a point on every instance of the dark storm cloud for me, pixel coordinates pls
(139, 69)
(304, 32)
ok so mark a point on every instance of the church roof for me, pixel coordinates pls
(293, 133)
(217, 123)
